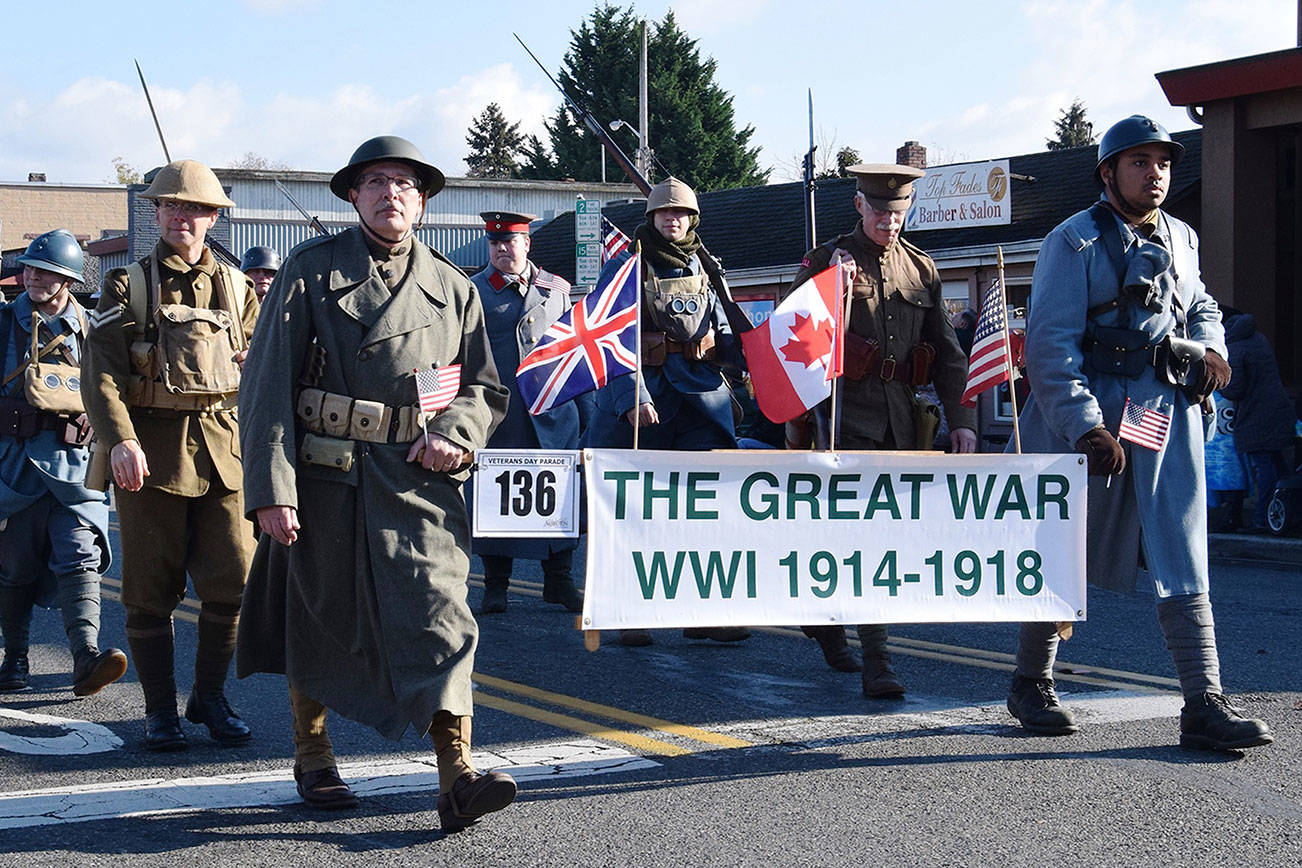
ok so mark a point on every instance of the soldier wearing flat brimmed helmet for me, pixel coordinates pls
(358, 590)
(260, 265)
(161, 378)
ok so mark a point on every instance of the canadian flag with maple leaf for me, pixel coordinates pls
(794, 355)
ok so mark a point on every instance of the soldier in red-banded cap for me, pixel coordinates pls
(520, 301)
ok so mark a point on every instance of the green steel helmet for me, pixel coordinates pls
(56, 251)
(383, 149)
(260, 257)
(1135, 130)
(672, 193)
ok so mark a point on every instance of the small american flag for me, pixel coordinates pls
(613, 242)
(1143, 426)
(988, 365)
(436, 387)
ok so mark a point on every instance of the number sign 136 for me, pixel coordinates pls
(526, 493)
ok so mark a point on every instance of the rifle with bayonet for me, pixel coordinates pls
(217, 246)
(737, 318)
(811, 231)
(312, 221)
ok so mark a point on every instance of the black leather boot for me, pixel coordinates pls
(473, 796)
(1034, 703)
(1210, 722)
(836, 650)
(92, 669)
(13, 672)
(215, 712)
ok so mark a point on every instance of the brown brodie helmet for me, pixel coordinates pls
(672, 193)
(188, 181)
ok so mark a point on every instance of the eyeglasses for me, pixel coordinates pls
(377, 182)
(189, 209)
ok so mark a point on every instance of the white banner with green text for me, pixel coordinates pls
(684, 539)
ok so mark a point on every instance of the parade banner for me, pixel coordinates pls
(966, 194)
(686, 539)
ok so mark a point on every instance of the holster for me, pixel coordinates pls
(653, 349)
(862, 356)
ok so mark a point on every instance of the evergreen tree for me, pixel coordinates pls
(494, 145)
(1073, 130)
(845, 158)
(692, 129)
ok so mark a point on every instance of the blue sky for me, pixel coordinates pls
(303, 82)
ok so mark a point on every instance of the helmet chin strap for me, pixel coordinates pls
(1124, 205)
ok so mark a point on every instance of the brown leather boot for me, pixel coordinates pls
(464, 794)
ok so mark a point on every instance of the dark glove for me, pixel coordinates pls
(1216, 373)
(1102, 451)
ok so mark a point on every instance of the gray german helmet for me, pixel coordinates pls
(260, 257)
(56, 251)
(383, 149)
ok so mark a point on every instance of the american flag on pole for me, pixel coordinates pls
(988, 364)
(1144, 426)
(436, 387)
(613, 242)
(591, 344)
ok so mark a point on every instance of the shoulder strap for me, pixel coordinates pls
(1110, 238)
(234, 280)
(137, 302)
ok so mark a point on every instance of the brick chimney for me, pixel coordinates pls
(911, 154)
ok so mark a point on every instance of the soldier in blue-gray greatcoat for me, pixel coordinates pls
(520, 301)
(1118, 315)
(53, 529)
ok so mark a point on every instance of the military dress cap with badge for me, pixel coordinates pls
(886, 186)
(501, 224)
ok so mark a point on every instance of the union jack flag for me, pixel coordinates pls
(592, 343)
(613, 242)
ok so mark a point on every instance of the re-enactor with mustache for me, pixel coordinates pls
(358, 588)
(898, 338)
(1116, 286)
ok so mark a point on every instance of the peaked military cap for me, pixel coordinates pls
(886, 186)
(499, 224)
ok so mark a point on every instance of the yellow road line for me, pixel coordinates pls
(642, 720)
(985, 659)
(564, 721)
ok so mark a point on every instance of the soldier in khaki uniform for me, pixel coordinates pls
(899, 338)
(358, 589)
(161, 375)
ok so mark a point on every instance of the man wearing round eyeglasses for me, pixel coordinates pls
(161, 377)
(358, 589)
(898, 339)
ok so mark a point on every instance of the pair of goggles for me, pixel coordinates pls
(54, 381)
(684, 305)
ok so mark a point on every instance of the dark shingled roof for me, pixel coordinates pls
(756, 227)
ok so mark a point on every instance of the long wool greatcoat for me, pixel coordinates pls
(1162, 493)
(366, 612)
(517, 316)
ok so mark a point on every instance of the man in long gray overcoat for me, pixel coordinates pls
(358, 589)
(1121, 328)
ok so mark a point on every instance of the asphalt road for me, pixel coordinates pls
(698, 753)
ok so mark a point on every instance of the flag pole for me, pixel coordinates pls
(1008, 352)
(420, 405)
(637, 388)
(843, 286)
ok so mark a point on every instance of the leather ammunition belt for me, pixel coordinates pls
(345, 417)
(864, 359)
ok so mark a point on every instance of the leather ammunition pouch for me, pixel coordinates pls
(863, 358)
(20, 419)
(926, 422)
(1117, 351)
(348, 418)
(656, 347)
(327, 452)
(1181, 363)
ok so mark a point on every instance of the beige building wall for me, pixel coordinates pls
(28, 209)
